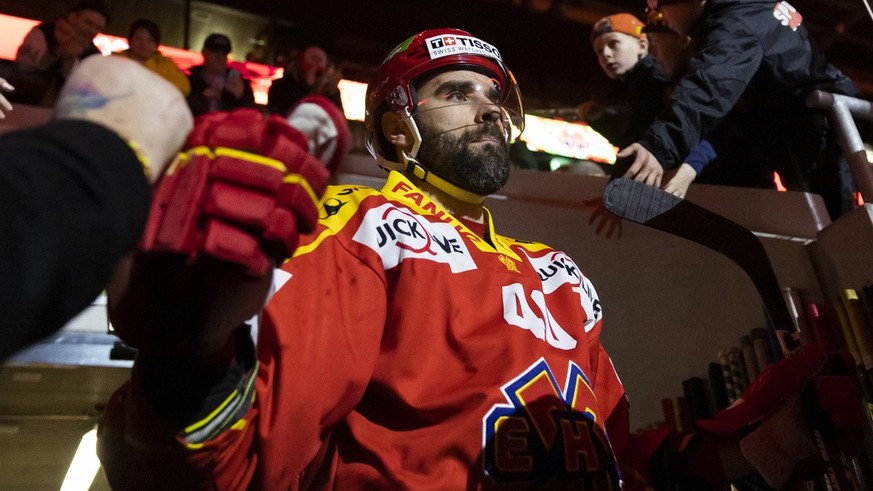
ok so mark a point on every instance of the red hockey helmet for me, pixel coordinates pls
(391, 87)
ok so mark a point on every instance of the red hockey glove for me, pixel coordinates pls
(777, 384)
(774, 415)
(242, 192)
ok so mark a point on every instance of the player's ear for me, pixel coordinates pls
(396, 131)
(644, 46)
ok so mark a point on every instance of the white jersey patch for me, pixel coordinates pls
(556, 269)
(397, 234)
(452, 44)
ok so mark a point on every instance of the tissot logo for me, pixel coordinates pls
(443, 41)
(396, 234)
(440, 46)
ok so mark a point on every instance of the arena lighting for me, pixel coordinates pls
(12, 31)
(572, 140)
(353, 95)
(84, 466)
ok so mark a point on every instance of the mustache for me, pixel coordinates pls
(488, 129)
(476, 130)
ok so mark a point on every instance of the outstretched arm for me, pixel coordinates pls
(74, 194)
(229, 209)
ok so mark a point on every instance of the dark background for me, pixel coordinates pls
(545, 42)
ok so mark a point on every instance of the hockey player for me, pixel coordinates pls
(407, 344)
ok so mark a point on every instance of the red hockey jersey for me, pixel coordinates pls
(406, 352)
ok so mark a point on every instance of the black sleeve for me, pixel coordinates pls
(74, 200)
(202, 400)
(230, 102)
(197, 102)
(730, 56)
(648, 90)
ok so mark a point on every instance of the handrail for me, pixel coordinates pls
(842, 108)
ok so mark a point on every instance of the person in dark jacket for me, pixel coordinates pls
(737, 162)
(639, 91)
(215, 86)
(761, 51)
(75, 192)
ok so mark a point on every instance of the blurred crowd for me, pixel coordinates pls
(53, 49)
(726, 137)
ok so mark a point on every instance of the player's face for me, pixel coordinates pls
(618, 53)
(464, 134)
(142, 45)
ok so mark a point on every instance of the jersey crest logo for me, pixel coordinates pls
(509, 263)
(545, 434)
(397, 234)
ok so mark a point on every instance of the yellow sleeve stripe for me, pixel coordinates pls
(228, 415)
(312, 245)
(203, 422)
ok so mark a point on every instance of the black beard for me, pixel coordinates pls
(481, 171)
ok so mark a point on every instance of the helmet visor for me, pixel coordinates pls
(485, 97)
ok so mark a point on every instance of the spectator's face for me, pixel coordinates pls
(87, 23)
(214, 61)
(142, 45)
(682, 16)
(313, 64)
(618, 53)
(463, 137)
(69, 42)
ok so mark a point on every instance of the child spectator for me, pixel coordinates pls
(639, 91)
(741, 152)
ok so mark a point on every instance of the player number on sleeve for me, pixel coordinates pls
(517, 312)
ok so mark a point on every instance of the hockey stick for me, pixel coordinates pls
(660, 210)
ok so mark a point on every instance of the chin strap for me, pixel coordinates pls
(420, 171)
